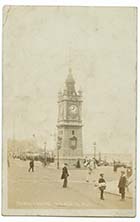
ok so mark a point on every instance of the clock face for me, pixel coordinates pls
(73, 110)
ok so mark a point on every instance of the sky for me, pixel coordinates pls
(99, 44)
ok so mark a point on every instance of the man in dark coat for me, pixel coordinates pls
(122, 185)
(65, 175)
(31, 166)
(102, 186)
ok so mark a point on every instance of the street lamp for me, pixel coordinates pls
(57, 158)
(59, 142)
(100, 156)
(45, 156)
(94, 147)
(45, 147)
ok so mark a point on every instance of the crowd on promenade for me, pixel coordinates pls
(101, 183)
(90, 165)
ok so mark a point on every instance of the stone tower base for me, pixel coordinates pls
(73, 162)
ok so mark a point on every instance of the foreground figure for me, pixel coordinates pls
(102, 186)
(31, 166)
(65, 175)
(122, 185)
(90, 170)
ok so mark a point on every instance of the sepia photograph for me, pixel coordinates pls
(69, 111)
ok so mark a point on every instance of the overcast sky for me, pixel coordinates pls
(39, 45)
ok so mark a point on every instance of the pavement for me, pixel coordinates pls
(43, 189)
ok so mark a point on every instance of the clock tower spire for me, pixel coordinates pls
(69, 123)
(70, 83)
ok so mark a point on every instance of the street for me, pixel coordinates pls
(43, 189)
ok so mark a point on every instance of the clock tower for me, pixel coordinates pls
(69, 123)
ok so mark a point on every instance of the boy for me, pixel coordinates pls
(102, 186)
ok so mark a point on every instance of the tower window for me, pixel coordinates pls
(72, 132)
(61, 132)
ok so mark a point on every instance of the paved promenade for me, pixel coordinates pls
(43, 189)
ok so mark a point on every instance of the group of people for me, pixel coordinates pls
(101, 182)
(121, 185)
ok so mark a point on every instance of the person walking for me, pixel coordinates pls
(78, 165)
(90, 170)
(65, 175)
(31, 166)
(122, 185)
(114, 166)
(102, 186)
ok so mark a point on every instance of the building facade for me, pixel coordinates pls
(69, 123)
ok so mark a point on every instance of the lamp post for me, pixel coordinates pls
(57, 157)
(53, 135)
(100, 156)
(45, 147)
(45, 156)
(94, 147)
(59, 142)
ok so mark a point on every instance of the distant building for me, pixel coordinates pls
(18, 147)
